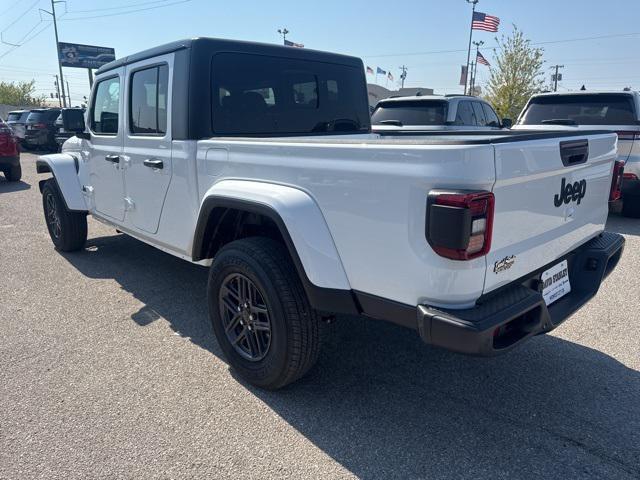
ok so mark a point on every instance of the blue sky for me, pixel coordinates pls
(384, 33)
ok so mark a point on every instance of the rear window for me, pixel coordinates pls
(262, 95)
(14, 116)
(422, 112)
(581, 109)
(43, 116)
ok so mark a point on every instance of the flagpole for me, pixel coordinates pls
(473, 10)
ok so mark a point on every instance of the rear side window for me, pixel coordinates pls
(148, 101)
(465, 115)
(490, 114)
(263, 95)
(13, 116)
(104, 111)
(421, 112)
(479, 113)
(584, 109)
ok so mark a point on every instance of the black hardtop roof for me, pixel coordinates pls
(218, 44)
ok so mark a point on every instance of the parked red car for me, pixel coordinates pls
(9, 153)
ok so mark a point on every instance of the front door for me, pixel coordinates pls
(147, 146)
(105, 146)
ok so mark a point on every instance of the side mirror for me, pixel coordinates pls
(507, 123)
(73, 121)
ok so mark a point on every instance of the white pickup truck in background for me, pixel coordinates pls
(259, 161)
(614, 111)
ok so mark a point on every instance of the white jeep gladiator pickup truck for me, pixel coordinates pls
(259, 161)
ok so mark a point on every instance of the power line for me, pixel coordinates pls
(133, 5)
(25, 41)
(87, 17)
(21, 16)
(434, 52)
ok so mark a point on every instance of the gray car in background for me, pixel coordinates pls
(17, 120)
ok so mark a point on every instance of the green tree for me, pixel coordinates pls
(516, 75)
(20, 94)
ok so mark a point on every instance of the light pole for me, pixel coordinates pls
(55, 29)
(474, 67)
(283, 31)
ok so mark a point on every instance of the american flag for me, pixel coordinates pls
(480, 59)
(482, 21)
(370, 70)
(390, 76)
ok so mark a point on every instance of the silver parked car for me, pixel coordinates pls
(434, 113)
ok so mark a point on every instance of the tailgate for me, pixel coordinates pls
(535, 221)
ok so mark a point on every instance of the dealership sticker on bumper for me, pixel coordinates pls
(555, 282)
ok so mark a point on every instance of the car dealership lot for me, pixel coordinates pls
(109, 369)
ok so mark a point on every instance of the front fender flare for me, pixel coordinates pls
(64, 168)
(303, 228)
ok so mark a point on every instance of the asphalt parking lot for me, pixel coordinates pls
(110, 370)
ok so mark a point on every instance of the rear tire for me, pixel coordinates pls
(272, 299)
(631, 206)
(68, 230)
(13, 174)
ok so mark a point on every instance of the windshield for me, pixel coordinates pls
(411, 113)
(594, 109)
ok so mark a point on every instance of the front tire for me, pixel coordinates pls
(13, 173)
(68, 230)
(260, 313)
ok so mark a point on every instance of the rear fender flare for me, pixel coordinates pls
(64, 168)
(302, 226)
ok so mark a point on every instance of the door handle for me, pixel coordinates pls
(112, 158)
(153, 163)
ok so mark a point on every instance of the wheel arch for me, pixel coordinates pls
(291, 215)
(64, 168)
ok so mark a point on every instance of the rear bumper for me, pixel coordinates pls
(39, 138)
(505, 318)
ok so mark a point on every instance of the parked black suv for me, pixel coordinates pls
(62, 135)
(40, 128)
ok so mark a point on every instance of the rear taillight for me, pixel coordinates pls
(40, 126)
(616, 181)
(459, 223)
(632, 135)
(629, 176)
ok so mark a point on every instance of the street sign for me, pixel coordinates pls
(84, 56)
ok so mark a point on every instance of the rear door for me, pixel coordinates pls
(551, 195)
(147, 146)
(105, 145)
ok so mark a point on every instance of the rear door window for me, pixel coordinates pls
(14, 117)
(465, 115)
(148, 101)
(583, 109)
(417, 112)
(106, 103)
(264, 95)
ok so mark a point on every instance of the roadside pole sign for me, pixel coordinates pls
(84, 56)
